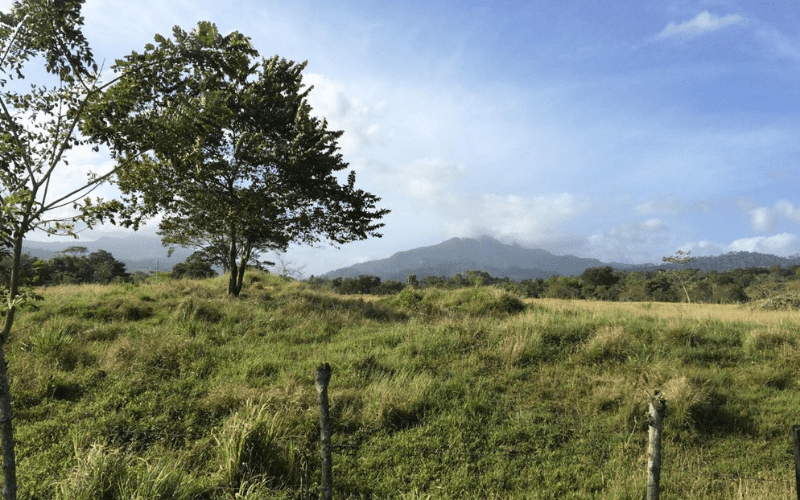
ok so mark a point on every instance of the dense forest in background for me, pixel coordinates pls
(605, 283)
(70, 266)
(75, 266)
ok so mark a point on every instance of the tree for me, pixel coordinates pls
(564, 287)
(196, 266)
(599, 276)
(74, 250)
(103, 268)
(681, 275)
(247, 168)
(38, 126)
(286, 269)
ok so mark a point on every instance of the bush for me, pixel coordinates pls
(196, 266)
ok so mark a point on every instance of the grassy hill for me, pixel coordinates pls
(169, 390)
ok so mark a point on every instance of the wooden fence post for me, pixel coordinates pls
(323, 377)
(658, 406)
(796, 445)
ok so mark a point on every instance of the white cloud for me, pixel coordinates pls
(360, 121)
(629, 234)
(761, 219)
(783, 244)
(629, 242)
(424, 178)
(780, 244)
(780, 44)
(787, 209)
(768, 218)
(533, 220)
(670, 204)
(704, 22)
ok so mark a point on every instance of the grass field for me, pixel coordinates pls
(170, 390)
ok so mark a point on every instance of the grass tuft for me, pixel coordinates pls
(770, 338)
(685, 402)
(609, 343)
(251, 450)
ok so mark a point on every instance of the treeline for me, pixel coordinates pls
(70, 266)
(603, 283)
(74, 266)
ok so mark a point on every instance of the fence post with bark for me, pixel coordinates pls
(796, 448)
(658, 407)
(323, 377)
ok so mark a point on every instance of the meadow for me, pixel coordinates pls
(167, 389)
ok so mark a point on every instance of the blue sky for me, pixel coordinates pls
(618, 130)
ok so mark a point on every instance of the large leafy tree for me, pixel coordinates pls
(247, 168)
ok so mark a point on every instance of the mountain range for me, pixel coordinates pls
(139, 253)
(518, 263)
(146, 253)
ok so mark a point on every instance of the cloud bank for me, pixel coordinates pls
(704, 22)
(764, 219)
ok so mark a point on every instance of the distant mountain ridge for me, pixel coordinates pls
(463, 254)
(517, 263)
(139, 253)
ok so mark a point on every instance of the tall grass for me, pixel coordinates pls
(170, 390)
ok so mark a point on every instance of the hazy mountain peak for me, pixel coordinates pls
(485, 253)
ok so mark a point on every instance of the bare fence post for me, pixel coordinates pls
(658, 406)
(323, 377)
(796, 444)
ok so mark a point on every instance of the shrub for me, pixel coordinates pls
(484, 301)
(784, 302)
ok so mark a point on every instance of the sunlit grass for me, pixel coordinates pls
(749, 313)
(170, 388)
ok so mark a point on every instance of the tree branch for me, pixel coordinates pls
(13, 39)
(95, 183)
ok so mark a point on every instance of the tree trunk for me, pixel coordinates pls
(7, 431)
(236, 279)
(233, 287)
(240, 277)
(233, 290)
(6, 415)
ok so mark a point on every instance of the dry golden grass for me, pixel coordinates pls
(769, 338)
(750, 313)
(685, 398)
(609, 343)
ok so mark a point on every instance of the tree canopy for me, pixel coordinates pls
(196, 266)
(238, 165)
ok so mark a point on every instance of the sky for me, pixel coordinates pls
(624, 131)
